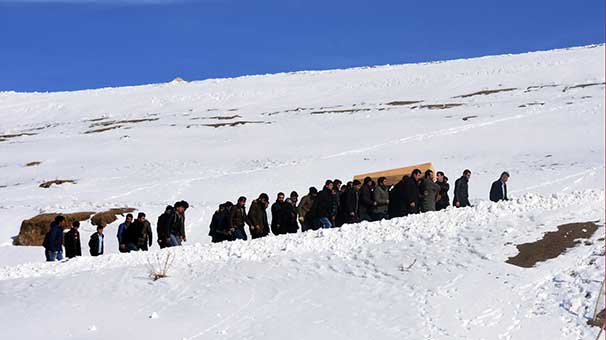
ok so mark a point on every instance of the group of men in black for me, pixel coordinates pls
(337, 204)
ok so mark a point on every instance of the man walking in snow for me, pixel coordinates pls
(71, 241)
(411, 192)
(121, 230)
(237, 219)
(351, 203)
(366, 202)
(304, 208)
(429, 191)
(381, 197)
(257, 217)
(461, 190)
(277, 215)
(323, 207)
(96, 242)
(498, 190)
(53, 240)
(442, 200)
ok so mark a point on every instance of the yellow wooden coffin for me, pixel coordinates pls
(393, 176)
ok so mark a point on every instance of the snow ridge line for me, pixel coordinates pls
(344, 242)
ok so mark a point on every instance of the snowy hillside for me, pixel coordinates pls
(440, 275)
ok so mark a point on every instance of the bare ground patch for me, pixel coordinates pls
(532, 104)
(33, 230)
(109, 216)
(102, 126)
(538, 87)
(437, 106)
(486, 92)
(553, 244)
(466, 118)
(403, 102)
(36, 163)
(232, 124)
(580, 86)
(15, 135)
(56, 182)
(338, 111)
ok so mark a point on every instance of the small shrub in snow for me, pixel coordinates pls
(160, 264)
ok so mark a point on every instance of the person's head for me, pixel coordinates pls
(241, 201)
(357, 184)
(429, 174)
(313, 191)
(280, 197)
(76, 224)
(349, 185)
(467, 173)
(337, 184)
(181, 206)
(416, 174)
(367, 180)
(440, 176)
(129, 218)
(328, 184)
(60, 221)
(294, 197)
(504, 176)
(141, 217)
(100, 228)
(381, 181)
(263, 198)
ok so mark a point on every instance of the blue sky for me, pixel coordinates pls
(48, 45)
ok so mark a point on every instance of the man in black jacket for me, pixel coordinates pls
(397, 197)
(461, 190)
(411, 189)
(351, 203)
(96, 241)
(367, 203)
(278, 215)
(443, 200)
(138, 236)
(498, 190)
(71, 241)
(323, 207)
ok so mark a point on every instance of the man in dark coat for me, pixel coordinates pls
(96, 242)
(257, 217)
(138, 236)
(53, 240)
(323, 207)
(304, 208)
(279, 215)
(442, 200)
(429, 192)
(237, 219)
(366, 202)
(121, 231)
(461, 190)
(177, 224)
(397, 198)
(351, 203)
(71, 241)
(290, 213)
(163, 227)
(219, 225)
(498, 190)
(411, 192)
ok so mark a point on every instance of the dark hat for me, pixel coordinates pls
(313, 190)
(356, 182)
(264, 196)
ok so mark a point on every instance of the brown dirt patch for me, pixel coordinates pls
(485, 92)
(580, 86)
(403, 102)
(15, 135)
(225, 117)
(56, 182)
(552, 245)
(466, 118)
(437, 106)
(33, 230)
(109, 216)
(532, 104)
(232, 124)
(103, 129)
(36, 163)
(338, 111)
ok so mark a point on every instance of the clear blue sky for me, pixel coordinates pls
(50, 45)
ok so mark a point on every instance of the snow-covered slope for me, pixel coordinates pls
(433, 276)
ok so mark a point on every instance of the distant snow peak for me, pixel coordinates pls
(178, 80)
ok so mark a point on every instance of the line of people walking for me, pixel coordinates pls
(336, 204)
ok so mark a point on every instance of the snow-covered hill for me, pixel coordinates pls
(433, 276)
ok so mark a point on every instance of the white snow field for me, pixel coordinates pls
(438, 275)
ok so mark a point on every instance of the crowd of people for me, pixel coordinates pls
(336, 204)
